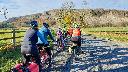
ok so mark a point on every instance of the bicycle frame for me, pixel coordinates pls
(44, 56)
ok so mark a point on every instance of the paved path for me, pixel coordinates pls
(99, 55)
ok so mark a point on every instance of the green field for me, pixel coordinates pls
(114, 33)
(107, 29)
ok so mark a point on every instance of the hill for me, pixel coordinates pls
(86, 17)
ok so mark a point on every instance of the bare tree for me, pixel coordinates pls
(84, 3)
(4, 12)
(68, 5)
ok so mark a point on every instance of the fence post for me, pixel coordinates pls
(14, 39)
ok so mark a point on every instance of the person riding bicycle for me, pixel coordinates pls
(76, 37)
(60, 40)
(44, 31)
(29, 44)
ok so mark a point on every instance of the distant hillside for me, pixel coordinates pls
(87, 17)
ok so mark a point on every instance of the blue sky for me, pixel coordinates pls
(27, 7)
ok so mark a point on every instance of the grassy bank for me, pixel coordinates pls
(9, 58)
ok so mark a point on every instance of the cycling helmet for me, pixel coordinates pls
(34, 24)
(75, 25)
(46, 25)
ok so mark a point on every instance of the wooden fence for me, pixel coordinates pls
(13, 32)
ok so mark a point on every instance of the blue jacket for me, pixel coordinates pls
(44, 32)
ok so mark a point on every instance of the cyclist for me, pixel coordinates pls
(76, 37)
(60, 40)
(44, 31)
(29, 44)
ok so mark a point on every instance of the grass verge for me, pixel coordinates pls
(9, 58)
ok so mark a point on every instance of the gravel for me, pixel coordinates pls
(98, 55)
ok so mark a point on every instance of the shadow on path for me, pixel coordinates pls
(97, 56)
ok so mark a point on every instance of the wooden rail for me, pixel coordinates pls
(14, 37)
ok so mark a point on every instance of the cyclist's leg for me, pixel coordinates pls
(74, 49)
(62, 42)
(58, 42)
(35, 54)
(39, 46)
(79, 42)
(25, 51)
(48, 50)
(65, 35)
(26, 59)
(65, 40)
(79, 45)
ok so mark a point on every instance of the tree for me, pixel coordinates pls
(84, 3)
(67, 13)
(6, 25)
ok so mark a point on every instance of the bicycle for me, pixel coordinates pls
(60, 44)
(75, 49)
(44, 55)
(31, 65)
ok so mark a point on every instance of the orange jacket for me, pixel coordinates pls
(76, 32)
(70, 31)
